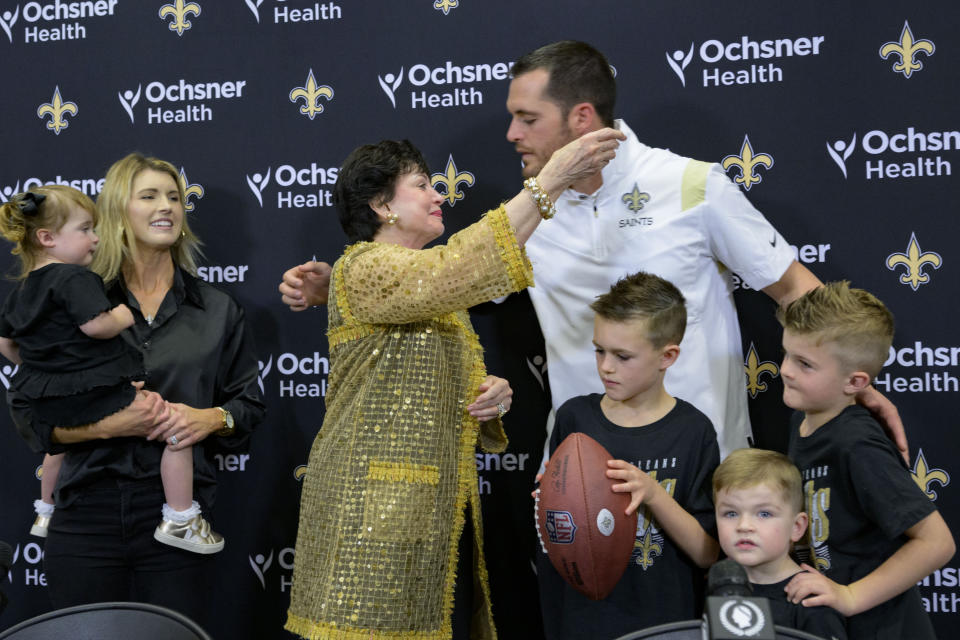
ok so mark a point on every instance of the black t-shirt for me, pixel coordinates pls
(860, 499)
(660, 584)
(820, 621)
(69, 378)
(43, 315)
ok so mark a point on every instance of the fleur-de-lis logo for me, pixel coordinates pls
(451, 179)
(311, 95)
(914, 260)
(634, 200)
(747, 162)
(179, 10)
(754, 369)
(446, 5)
(57, 109)
(189, 190)
(924, 476)
(646, 550)
(907, 49)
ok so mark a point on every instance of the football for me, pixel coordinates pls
(580, 520)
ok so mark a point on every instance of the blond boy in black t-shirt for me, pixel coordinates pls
(873, 532)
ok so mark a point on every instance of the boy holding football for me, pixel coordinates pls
(664, 451)
(874, 533)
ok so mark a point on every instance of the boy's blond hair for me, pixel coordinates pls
(644, 296)
(746, 468)
(854, 321)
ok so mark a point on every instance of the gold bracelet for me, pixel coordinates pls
(540, 198)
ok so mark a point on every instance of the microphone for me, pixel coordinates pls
(732, 612)
(6, 561)
(727, 578)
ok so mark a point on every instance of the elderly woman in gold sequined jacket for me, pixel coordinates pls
(390, 540)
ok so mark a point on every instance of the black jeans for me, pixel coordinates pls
(101, 549)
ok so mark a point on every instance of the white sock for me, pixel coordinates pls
(181, 516)
(43, 508)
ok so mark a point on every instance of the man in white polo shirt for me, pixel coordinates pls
(649, 210)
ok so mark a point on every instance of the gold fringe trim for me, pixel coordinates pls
(514, 257)
(324, 631)
(403, 472)
(346, 333)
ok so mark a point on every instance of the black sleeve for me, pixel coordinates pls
(563, 426)
(237, 388)
(82, 295)
(700, 502)
(884, 487)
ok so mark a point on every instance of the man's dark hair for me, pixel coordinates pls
(578, 73)
(370, 174)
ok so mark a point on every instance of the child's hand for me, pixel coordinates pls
(533, 494)
(811, 588)
(641, 486)
(123, 315)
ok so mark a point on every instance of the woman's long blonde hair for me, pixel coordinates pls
(117, 244)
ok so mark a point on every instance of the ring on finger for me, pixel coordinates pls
(173, 440)
(501, 410)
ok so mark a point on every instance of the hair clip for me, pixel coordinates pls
(30, 203)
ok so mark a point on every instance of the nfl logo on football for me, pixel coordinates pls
(560, 527)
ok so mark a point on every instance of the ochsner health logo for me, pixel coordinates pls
(180, 101)
(297, 187)
(743, 60)
(908, 153)
(449, 77)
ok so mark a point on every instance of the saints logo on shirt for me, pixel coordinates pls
(650, 540)
(818, 504)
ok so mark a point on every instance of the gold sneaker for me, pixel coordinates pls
(39, 527)
(193, 535)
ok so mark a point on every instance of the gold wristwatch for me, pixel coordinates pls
(227, 426)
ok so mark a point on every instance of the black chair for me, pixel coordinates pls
(108, 621)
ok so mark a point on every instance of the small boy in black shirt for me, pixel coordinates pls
(759, 506)
(873, 532)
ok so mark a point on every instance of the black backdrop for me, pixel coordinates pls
(858, 174)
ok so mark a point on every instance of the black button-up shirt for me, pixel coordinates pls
(197, 351)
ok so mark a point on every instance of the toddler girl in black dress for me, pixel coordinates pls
(75, 369)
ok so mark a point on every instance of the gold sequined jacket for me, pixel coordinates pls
(392, 469)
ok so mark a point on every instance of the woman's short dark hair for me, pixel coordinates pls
(370, 174)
